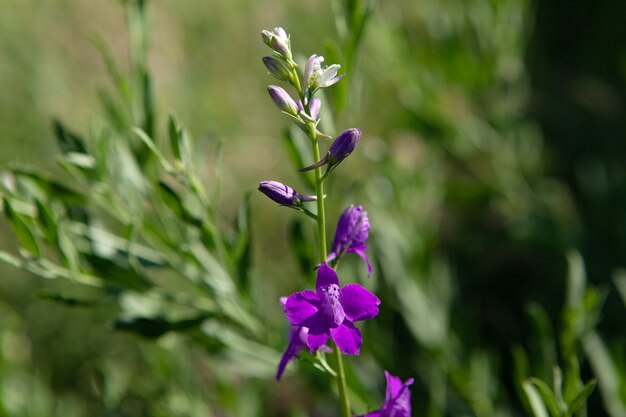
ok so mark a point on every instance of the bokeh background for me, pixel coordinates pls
(492, 166)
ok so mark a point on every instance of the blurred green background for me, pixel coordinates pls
(493, 146)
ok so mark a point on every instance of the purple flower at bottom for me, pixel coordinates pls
(331, 311)
(297, 342)
(397, 399)
(351, 234)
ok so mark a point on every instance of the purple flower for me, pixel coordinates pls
(331, 311)
(283, 194)
(397, 399)
(339, 150)
(283, 100)
(351, 234)
(297, 342)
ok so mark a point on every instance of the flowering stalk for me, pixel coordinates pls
(331, 310)
(321, 233)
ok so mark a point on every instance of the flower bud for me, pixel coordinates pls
(283, 100)
(339, 150)
(278, 40)
(277, 68)
(343, 146)
(283, 194)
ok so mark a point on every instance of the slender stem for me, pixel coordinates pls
(321, 230)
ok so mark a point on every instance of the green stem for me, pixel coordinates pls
(321, 230)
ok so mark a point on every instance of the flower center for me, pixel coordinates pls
(331, 306)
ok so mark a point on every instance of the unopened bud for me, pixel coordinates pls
(277, 68)
(283, 194)
(344, 145)
(283, 100)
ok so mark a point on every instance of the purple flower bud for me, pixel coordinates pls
(277, 68)
(278, 40)
(343, 146)
(283, 194)
(283, 100)
(339, 150)
(351, 234)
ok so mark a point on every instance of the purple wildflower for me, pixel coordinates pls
(331, 311)
(297, 342)
(397, 399)
(339, 150)
(283, 194)
(351, 234)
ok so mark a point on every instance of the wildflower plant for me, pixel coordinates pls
(329, 312)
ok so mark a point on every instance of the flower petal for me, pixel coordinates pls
(358, 303)
(326, 276)
(361, 253)
(300, 306)
(398, 396)
(315, 341)
(376, 413)
(289, 354)
(347, 337)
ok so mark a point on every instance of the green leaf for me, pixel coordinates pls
(581, 398)
(174, 133)
(547, 395)
(68, 141)
(175, 203)
(241, 252)
(536, 404)
(23, 232)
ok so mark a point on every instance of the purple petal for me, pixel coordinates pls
(326, 276)
(398, 396)
(300, 306)
(292, 350)
(315, 341)
(347, 337)
(358, 303)
(376, 413)
(315, 107)
(361, 253)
